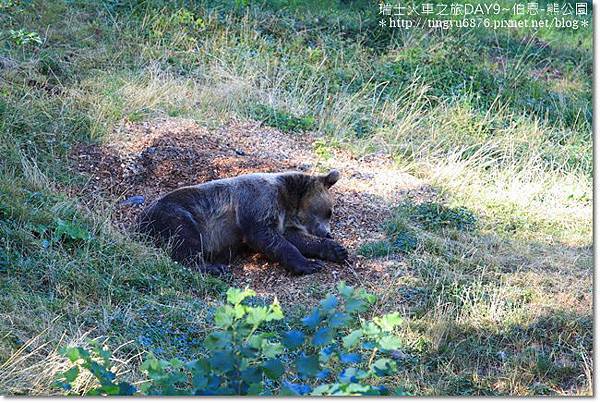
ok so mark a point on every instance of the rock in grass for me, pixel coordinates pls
(304, 167)
(133, 201)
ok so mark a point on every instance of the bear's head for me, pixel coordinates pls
(316, 206)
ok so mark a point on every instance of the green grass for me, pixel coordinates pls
(283, 121)
(498, 269)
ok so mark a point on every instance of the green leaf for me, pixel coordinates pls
(222, 361)
(350, 358)
(390, 343)
(293, 339)
(399, 391)
(217, 340)
(348, 375)
(273, 368)
(271, 350)
(247, 351)
(236, 295)
(354, 305)
(294, 389)
(70, 231)
(176, 363)
(110, 390)
(255, 389)
(312, 320)
(104, 354)
(326, 353)
(126, 389)
(324, 389)
(255, 341)
(224, 316)
(322, 336)
(308, 365)
(384, 367)
(71, 374)
(329, 303)
(358, 389)
(152, 365)
(339, 319)
(388, 322)
(344, 290)
(350, 340)
(256, 315)
(275, 313)
(251, 375)
(102, 374)
(72, 354)
(199, 380)
(371, 329)
(367, 297)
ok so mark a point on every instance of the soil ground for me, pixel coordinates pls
(156, 157)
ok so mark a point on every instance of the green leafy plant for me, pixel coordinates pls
(401, 230)
(333, 351)
(433, 215)
(97, 361)
(282, 120)
(404, 242)
(400, 238)
(180, 26)
(70, 231)
(23, 37)
(322, 149)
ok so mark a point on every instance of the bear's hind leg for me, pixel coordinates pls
(189, 253)
(189, 250)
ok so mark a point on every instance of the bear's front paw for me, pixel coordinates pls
(309, 267)
(337, 253)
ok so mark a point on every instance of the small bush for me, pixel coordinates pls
(282, 120)
(333, 352)
(322, 150)
(22, 37)
(400, 230)
(376, 249)
(404, 242)
(432, 216)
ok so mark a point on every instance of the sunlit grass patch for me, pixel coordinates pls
(283, 121)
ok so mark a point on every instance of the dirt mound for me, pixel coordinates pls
(156, 157)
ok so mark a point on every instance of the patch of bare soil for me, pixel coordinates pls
(156, 157)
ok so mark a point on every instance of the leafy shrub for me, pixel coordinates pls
(404, 242)
(23, 37)
(282, 120)
(376, 248)
(401, 237)
(321, 148)
(9, 9)
(70, 231)
(181, 23)
(65, 232)
(332, 352)
(433, 215)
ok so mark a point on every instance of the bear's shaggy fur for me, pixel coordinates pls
(285, 216)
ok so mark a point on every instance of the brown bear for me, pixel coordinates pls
(283, 215)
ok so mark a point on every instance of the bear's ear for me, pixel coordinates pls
(331, 178)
